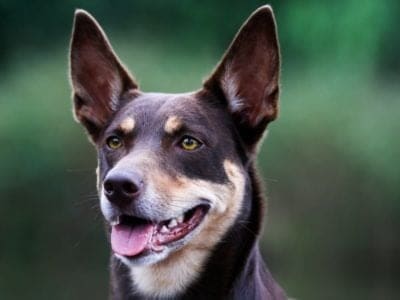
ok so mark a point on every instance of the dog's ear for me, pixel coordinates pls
(99, 80)
(248, 76)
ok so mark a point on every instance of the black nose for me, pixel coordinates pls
(122, 188)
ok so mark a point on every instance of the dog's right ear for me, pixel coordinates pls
(99, 81)
(248, 76)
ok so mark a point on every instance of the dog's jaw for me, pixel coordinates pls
(151, 274)
(144, 243)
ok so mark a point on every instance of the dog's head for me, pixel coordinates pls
(172, 167)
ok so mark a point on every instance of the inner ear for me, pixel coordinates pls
(99, 80)
(248, 75)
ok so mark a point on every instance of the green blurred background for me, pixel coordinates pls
(330, 163)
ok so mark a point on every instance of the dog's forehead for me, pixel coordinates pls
(168, 110)
(164, 103)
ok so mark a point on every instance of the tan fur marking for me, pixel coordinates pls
(173, 124)
(171, 276)
(127, 125)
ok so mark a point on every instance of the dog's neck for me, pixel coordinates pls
(235, 267)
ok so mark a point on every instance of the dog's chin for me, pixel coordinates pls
(148, 243)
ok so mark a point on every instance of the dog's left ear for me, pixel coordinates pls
(99, 80)
(248, 76)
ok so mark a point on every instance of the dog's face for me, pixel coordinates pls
(172, 167)
(169, 172)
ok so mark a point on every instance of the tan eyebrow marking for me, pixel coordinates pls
(127, 125)
(173, 124)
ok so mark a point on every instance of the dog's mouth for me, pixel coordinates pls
(132, 236)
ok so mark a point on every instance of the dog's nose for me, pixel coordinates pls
(122, 188)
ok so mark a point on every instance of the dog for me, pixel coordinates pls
(177, 181)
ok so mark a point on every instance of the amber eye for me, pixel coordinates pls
(189, 143)
(114, 142)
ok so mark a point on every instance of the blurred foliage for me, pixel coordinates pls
(330, 163)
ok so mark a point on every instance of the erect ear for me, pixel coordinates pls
(248, 76)
(100, 82)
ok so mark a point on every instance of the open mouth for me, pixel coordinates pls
(131, 236)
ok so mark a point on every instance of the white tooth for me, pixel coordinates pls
(115, 221)
(173, 223)
(180, 219)
(164, 229)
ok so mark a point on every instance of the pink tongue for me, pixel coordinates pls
(128, 240)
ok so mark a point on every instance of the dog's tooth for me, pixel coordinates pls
(164, 229)
(114, 222)
(173, 223)
(180, 219)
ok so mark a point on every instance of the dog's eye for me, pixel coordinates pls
(114, 142)
(189, 143)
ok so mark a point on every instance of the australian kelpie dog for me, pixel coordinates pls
(176, 177)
